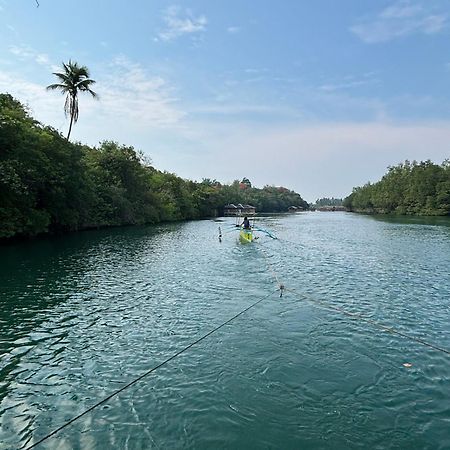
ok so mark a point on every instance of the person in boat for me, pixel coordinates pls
(246, 223)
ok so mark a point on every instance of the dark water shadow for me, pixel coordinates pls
(39, 274)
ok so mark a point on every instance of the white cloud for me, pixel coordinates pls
(338, 86)
(401, 10)
(350, 82)
(140, 108)
(402, 18)
(236, 109)
(233, 30)
(21, 51)
(324, 159)
(24, 52)
(256, 71)
(42, 58)
(44, 107)
(144, 99)
(434, 24)
(131, 101)
(180, 22)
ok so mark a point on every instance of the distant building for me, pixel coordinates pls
(249, 210)
(230, 210)
(238, 210)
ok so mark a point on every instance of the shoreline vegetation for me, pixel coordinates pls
(410, 188)
(49, 185)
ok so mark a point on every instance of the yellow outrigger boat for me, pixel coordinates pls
(246, 235)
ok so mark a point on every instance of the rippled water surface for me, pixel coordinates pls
(83, 315)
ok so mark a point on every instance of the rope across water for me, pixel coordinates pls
(150, 371)
(355, 316)
(281, 288)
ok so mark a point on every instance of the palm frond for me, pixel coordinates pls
(52, 87)
(84, 86)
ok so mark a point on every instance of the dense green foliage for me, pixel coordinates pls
(268, 199)
(48, 184)
(325, 201)
(421, 188)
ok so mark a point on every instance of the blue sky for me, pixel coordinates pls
(318, 96)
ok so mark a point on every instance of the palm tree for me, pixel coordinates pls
(74, 79)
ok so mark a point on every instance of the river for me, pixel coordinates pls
(353, 355)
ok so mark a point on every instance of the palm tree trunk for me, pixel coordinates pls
(70, 126)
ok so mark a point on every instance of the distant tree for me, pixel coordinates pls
(73, 79)
(245, 183)
(212, 183)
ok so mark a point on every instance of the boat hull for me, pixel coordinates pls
(246, 236)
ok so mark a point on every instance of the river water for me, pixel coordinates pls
(83, 315)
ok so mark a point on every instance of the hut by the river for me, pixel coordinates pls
(239, 210)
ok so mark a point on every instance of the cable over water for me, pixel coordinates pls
(271, 269)
(356, 316)
(150, 371)
(359, 316)
(123, 297)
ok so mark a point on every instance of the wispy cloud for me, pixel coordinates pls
(402, 18)
(147, 100)
(233, 30)
(256, 71)
(42, 58)
(21, 51)
(350, 82)
(180, 22)
(25, 52)
(238, 109)
(45, 107)
(131, 100)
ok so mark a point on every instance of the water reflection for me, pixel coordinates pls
(442, 221)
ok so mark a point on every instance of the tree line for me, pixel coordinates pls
(415, 188)
(51, 185)
(325, 201)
